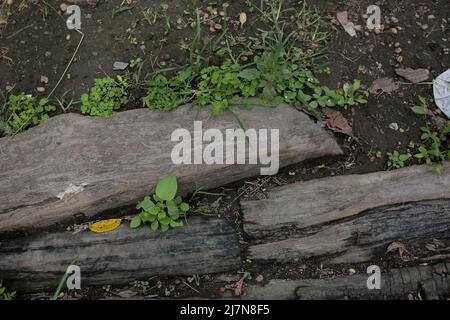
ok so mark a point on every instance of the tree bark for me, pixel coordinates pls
(120, 256)
(77, 167)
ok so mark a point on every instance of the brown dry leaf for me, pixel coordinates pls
(242, 18)
(396, 246)
(238, 287)
(342, 17)
(386, 85)
(414, 76)
(336, 122)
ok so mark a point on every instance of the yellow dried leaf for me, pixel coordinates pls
(242, 18)
(105, 225)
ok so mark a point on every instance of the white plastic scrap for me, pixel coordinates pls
(441, 90)
(72, 189)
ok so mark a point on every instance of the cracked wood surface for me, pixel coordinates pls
(348, 218)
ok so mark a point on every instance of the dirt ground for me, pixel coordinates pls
(34, 42)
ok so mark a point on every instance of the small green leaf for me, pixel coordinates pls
(135, 222)
(154, 225)
(184, 207)
(145, 204)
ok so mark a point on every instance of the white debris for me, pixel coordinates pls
(441, 90)
(72, 189)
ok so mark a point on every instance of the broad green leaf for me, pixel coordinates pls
(418, 110)
(166, 189)
(403, 157)
(249, 74)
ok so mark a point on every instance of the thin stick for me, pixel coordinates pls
(69, 64)
(19, 31)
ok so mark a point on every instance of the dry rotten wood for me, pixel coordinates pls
(346, 219)
(77, 166)
(310, 203)
(432, 282)
(120, 256)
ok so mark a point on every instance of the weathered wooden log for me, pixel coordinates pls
(120, 256)
(76, 166)
(432, 282)
(346, 219)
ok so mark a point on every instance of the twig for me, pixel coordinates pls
(69, 64)
(19, 31)
(191, 287)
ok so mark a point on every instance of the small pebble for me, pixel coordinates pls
(398, 50)
(393, 30)
(397, 44)
(40, 89)
(400, 59)
(259, 278)
(424, 27)
(47, 54)
(431, 17)
(63, 7)
(68, 37)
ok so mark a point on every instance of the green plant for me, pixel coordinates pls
(153, 14)
(5, 294)
(434, 149)
(121, 9)
(195, 279)
(421, 109)
(165, 210)
(106, 96)
(142, 286)
(279, 74)
(134, 41)
(397, 160)
(169, 93)
(135, 62)
(23, 111)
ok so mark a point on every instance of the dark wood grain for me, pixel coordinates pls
(120, 256)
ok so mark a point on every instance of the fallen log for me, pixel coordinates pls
(431, 282)
(74, 166)
(349, 218)
(120, 256)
